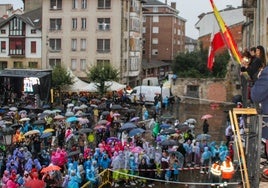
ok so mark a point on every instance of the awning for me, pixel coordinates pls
(23, 73)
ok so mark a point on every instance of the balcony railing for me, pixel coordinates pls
(17, 52)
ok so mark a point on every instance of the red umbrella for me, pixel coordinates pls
(206, 116)
(50, 168)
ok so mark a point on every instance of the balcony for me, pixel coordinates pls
(248, 8)
(17, 52)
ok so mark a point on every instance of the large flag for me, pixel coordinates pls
(228, 38)
(216, 44)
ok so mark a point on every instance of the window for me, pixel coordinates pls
(103, 45)
(104, 4)
(73, 64)
(55, 44)
(16, 27)
(155, 9)
(33, 31)
(102, 62)
(143, 19)
(33, 65)
(84, 23)
(83, 44)
(3, 65)
(155, 41)
(155, 19)
(84, 4)
(74, 23)
(55, 24)
(33, 46)
(17, 64)
(74, 44)
(134, 64)
(155, 52)
(83, 64)
(103, 24)
(55, 4)
(54, 62)
(155, 29)
(3, 46)
(193, 91)
(17, 46)
(143, 29)
(75, 4)
(3, 31)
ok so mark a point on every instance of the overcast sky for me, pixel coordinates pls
(189, 10)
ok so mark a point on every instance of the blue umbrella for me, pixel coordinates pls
(45, 135)
(165, 126)
(128, 126)
(136, 131)
(71, 119)
(201, 137)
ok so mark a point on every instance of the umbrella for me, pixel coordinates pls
(70, 105)
(165, 126)
(131, 110)
(128, 126)
(22, 112)
(46, 106)
(206, 116)
(99, 127)
(202, 137)
(13, 108)
(15, 126)
(116, 114)
(83, 99)
(45, 135)
(24, 119)
(168, 131)
(50, 168)
(95, 100)
(32, 132)
(39, 122)
(58, 117)
(182, 127)
(83, 106)
(48, 130)
(85, 130)
(103, 122)
(137, 149)
(71, 119)
(136, 131)
(116, 107)
(104, 113)
(72, 153)
(179, 156)
(168, 142)
(134, 119)
(83, 121)
(69, 114)
(94, 105)
(191, 121)
(112, 139)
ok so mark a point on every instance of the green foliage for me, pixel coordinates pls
(101, 73)
(194, 65)
(60, 77)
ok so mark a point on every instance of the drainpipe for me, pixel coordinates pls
(258, 22)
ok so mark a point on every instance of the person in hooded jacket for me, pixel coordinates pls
(105, 162)
(143, 167)
(205, 160)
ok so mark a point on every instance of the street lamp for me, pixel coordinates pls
(7, 134)
(161, 97)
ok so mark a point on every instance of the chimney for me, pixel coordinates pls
(173, 5)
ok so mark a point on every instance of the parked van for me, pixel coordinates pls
(147, 93)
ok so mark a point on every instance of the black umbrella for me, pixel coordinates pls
(169, 142)
(85, 130)
(73, 153)
(128, 126)
(168, 131)
(104, 113)
(39, 122)
(116, 107)
(15, 126)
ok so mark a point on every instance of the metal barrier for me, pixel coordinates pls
(103, 178)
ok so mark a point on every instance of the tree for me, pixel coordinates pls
(101, 73)
(194, 65)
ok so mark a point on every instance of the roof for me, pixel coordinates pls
(154, 2)
(22, 73)
(154, 64)
(33, 18)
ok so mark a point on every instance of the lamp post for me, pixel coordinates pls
(161, 97)
(7, 134)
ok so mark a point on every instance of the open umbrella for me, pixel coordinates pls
(100, 127)
(206, 116)
(50, 168)
(59, 117)
(112, 139)
(136, 131)
(73, 153)
(104, 113)
(39, 122)
(191, 121)
(182, 127)
(116, 107)
(179, 156)
(71, 119)
(103, 122)
(134, 119)
(32, 132)
(83, 121)
(128, 126)
(201, 137)
(136, 149)
(85, 130)
(48, 130)
(24, 119)
(46, 135)
(69, 114)
(165, 126)
(167, 131)
(169, 142)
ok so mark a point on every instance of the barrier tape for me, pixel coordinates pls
(182, 169)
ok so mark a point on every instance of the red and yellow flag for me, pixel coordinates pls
(228, 38)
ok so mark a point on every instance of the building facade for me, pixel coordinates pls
(163, 35)
(21, 41)
(82, 33)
